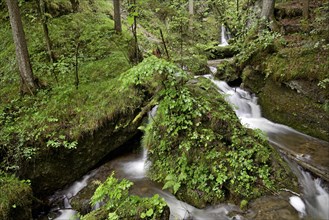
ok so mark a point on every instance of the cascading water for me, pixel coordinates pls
(312, 203)
(315, 197)
(223, 39)
(65, 209)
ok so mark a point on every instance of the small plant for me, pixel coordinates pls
(120, 205)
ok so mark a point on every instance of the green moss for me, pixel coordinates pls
(201, 152)
(285, 106)
(298, 63)
(220, 52)
(227, 71)
(15, 198)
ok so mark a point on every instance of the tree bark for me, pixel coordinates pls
(306, 5)
(267, 13)
(268, 9)
(191, 13)
(117, 16)
(28, 84)
(41, 8)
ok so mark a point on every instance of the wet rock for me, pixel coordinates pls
(283, 105)
(221, 52)
(272, 208)
(308, 89)
(52, 169)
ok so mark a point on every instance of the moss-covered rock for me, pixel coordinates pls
(201, 152)
(283, 105)
(54, 168)
(221, 52)
(119, 204)
(292, 87)
(15, 198)
(227, 70)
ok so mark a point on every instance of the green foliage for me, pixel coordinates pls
(152, 73)
(15, 198)
(59, 115)
(263, 41)
(120, 205)
(197, 146)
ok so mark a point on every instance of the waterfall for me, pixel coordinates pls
(314, 201)
(223, 40)
(67, 194)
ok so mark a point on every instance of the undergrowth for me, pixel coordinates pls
(114, 194)
(197, 146)
(60, 113)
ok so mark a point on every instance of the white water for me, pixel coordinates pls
(315, 199)
(223, 39)
(66, 212)
(313, 203)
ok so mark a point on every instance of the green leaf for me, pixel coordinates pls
(149, 212)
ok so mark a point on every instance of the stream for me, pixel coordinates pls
(313, 202)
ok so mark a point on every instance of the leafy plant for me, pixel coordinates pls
(197, 146)
(119, 204)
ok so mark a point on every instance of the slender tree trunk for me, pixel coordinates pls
(117, 16)
(77, 65)
(27, 80)
(41, 8)
(306, 5)
(191, 13)
(268, 9)
(132, 9)
(267, 13)
(164, 44)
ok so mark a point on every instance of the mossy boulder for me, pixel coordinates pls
(227, 70)
(292, 88)
(118, 203)
(288, 10)
(200, 151)
(196, 64)
(53, 168)
(15, 198)
(286, 106)
(221, 52)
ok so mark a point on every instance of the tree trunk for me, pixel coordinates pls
(267, 13)
(268, 9)
(191, 7)
(41, 8)
(306, 5)
(28, 84)
(191, 13)
(117, 16)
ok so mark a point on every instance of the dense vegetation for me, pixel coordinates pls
(197, 146)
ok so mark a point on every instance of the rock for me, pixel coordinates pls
(221, 52)
(288, 10)
(283, 105)
(308, 89)
(52, 169)
(272, 208)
